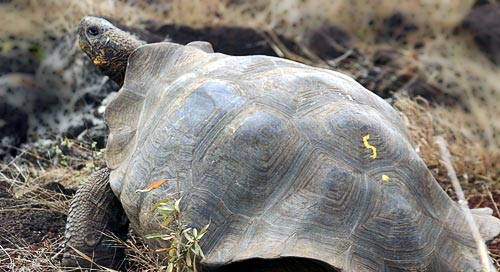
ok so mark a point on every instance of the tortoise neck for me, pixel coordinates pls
(117, 49)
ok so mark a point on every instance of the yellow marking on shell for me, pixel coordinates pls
(385, 178)
(369, 146)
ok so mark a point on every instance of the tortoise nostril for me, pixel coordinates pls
(93, 31)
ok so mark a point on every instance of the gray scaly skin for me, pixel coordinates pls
(107, 46)
(95, 213)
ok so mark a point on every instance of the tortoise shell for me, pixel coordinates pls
(282, 159)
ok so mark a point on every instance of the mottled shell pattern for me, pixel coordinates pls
(282, 159)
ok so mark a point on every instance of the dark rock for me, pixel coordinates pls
(392, 72)
(484, 24)
(328, 41)
(481, 2)
(13, 128)
(96, 133)
(140, 32)
(237, 41)
(386, 76)
(58, 188)
(433, 94)
(396, 27)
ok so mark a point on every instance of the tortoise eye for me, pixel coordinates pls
(93, 31)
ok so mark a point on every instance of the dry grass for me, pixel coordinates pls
(43, 256)
(472, 158)
(65, 161)
(27, 178)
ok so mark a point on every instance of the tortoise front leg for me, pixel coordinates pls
(95, 212)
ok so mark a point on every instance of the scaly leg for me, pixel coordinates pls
(95, 213)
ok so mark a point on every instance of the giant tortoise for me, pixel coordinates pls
(290, 164)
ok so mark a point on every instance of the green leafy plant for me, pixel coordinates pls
(63, 156)
(184, 248)
(80, 155)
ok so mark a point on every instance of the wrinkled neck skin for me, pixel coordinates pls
(109, 50)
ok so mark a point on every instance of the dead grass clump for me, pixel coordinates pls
(43, 256)
(40, 181)
(36, 185)
(46, 177)
(473, 159)
(140, 256)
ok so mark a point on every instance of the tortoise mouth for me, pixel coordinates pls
(98, 59)
(282, 264)
(82, 45)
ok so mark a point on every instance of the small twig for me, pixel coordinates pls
(340, 58)
(56, 255)
(492, 200)
(481, 246)
(281, 50)
(20, 172)
(7, 253)
(91, 260)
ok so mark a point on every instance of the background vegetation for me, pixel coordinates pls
(402, 42)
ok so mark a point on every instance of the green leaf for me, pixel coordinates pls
(188, 259)
(163, 249)
(161, 202)
(172, 253)
(205, 228)
(7, 46)
(165, 209)
(195, 232)
(170, 267)
(202, 232)
(177, 204)
(167, 221)
(89, 165)
(168, 237)
(194, 265)
(198, 250)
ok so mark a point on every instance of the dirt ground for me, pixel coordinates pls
(26, 222)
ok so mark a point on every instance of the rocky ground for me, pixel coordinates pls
(52, 134)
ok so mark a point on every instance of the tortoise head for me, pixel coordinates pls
(108, 46)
